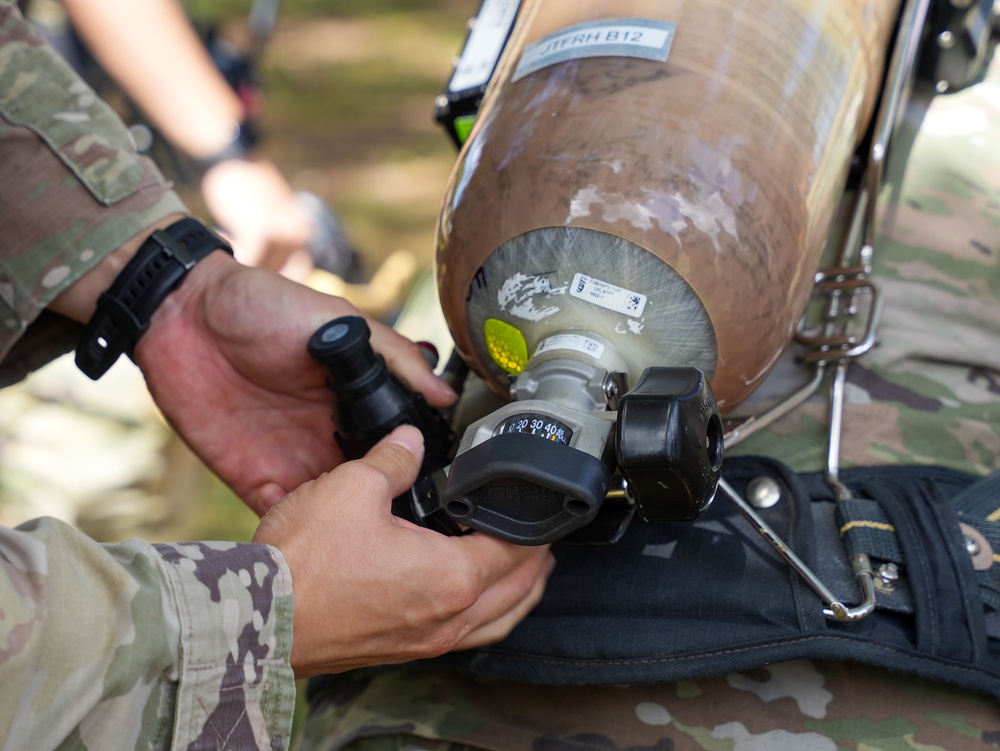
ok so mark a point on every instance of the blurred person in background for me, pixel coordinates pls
(203, 102)
(207, 112)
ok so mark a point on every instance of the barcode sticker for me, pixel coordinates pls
(608, 296)
(573, 342)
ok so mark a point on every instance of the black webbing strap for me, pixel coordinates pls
(865, 528)
(978, 506)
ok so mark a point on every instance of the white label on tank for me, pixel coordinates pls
(606, 37)
(607, 295)
(485, 43)
(574, 342)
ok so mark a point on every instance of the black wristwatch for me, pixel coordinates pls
(124, 310)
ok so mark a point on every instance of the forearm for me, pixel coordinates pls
(150, 49)
(74, 192)
(195, 637)
(78, 302)
(154, 54)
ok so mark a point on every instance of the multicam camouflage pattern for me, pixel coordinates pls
(181, 646)
(132, 645)
(65, 156)
(929, 393)
(795, 706)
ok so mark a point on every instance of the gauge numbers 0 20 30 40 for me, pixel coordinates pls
(542, 426)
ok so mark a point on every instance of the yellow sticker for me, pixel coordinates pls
(506, 345)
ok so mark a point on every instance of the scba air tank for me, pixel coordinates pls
(651, 182)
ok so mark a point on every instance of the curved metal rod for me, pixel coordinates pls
(757, 423)
(866, 580)
(834, 609)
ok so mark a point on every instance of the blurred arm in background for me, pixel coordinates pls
(174, 81)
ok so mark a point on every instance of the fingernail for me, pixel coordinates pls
(407, 436)
(447, 390)
(271, 494)
(550, 564)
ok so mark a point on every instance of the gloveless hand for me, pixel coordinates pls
(373, 589)
(257, 209)
(225, 360)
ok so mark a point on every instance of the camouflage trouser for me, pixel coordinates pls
(795, 706)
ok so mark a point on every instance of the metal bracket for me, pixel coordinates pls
(834, 609)
(848, 306)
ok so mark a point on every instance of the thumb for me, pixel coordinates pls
(398, 457)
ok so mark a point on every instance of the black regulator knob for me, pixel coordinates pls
(369, 402)
(669, 444)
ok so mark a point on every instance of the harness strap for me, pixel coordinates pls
(865, 528)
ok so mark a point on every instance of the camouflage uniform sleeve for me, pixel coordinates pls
(72, 190)
(180, 646)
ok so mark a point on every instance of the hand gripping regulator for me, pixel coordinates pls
(540, 468)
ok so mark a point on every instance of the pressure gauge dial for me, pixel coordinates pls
(536, 424)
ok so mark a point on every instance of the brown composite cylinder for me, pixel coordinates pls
(670, 207)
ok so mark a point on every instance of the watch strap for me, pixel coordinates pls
(124, 310)
(243, 142)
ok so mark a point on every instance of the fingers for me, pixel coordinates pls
(508, 580)
(398, 457)
(262, 499)
(501, 583)
(506, 603)
(370, 590)
(403, 357)
(406, 360)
